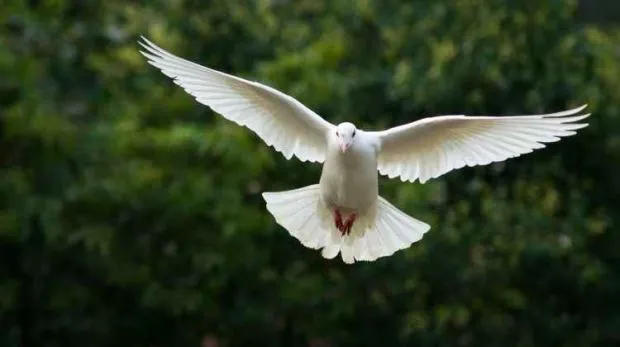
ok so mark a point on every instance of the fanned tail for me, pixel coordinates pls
(302, 214)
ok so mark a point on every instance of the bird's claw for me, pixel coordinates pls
(338, 220)
(344, 227)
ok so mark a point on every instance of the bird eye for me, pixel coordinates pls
(353, 134)
(337, 133)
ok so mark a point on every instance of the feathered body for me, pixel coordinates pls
(349, 180)
(344, 213)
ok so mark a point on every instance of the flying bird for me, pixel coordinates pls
(344, 213)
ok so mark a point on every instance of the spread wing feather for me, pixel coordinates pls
(433, 146)
(278, 119)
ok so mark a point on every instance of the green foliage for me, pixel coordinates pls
(131, 215)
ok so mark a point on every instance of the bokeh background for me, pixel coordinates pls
(131, 215)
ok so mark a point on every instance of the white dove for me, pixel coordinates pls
(344, 212)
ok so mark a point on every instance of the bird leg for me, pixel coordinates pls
(348, 224)
(338, 220)
(344, 226)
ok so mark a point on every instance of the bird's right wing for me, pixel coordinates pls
(278, 119)
(432, 146)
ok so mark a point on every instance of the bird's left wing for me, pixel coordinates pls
(433, 146)
(278, 119)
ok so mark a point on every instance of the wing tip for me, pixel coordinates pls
(580, 108)
(153, 49)
(574, 110)
(565, 112)
(144, 41)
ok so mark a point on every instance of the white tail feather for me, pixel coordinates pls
(303, 215)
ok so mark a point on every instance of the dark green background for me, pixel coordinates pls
(131, 215)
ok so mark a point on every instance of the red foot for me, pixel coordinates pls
(344, 227)
(338, 220)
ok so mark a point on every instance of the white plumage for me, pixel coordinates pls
(430, 147)
(344, 212)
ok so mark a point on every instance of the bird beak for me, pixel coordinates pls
(343, 147)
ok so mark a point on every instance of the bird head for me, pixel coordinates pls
(345, 135)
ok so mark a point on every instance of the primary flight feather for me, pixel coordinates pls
(344, 213)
